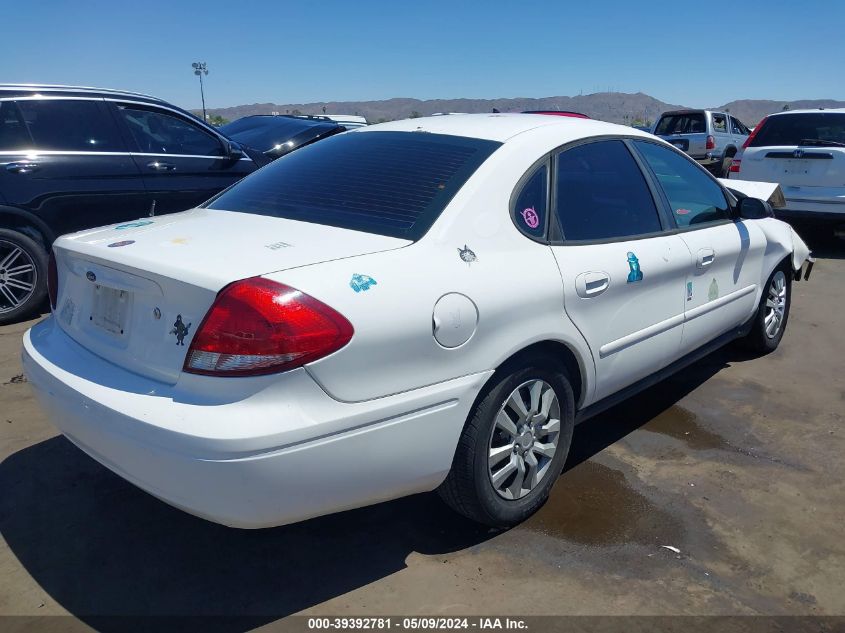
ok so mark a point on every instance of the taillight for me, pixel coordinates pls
(754, 132)
(711, 143)
(257, 326)
(52, 280)
(735, 163)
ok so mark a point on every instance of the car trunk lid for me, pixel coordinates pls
(135, 293)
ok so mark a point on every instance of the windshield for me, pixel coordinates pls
(801, 129)
(684, 123)
(390, 183)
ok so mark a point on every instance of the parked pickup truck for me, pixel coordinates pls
(711, 138)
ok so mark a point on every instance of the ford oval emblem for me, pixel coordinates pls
(91, 276)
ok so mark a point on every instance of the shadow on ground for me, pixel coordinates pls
(100, 547)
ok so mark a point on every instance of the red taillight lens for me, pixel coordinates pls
(257, 326)
(52, 280)
(711, 143)
(735, 163)
(754, 132)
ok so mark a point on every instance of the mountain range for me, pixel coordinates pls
(616, 107)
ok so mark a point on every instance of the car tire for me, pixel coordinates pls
(772, 313)
(476, 486)
(18, 251)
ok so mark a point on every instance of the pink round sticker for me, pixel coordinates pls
(531, 218)
(682, 211)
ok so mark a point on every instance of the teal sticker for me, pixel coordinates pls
(133, 225)
(635, 273)
(361, 282)
(689, 291)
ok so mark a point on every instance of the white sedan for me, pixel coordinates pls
(419, 305)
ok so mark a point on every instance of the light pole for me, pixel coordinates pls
(201, 69)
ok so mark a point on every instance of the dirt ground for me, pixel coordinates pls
(736, 462)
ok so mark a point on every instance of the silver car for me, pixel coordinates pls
(711, 138)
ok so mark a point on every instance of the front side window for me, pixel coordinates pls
(70, 125)
(530, 206)
(602, 194)
(389, 183)
(158, 133)
(694, 197)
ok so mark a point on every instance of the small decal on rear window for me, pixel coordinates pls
(530, 217)
(635, 274)
(133, 225)
(123, 243)
(361, 282)
(683, 211)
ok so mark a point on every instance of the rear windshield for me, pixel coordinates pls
(389, 183)
(685, 123)
(796, 129)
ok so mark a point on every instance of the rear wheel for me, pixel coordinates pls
(23, 276)
(513, 446)
(772, 314)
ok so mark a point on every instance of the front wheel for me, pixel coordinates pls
(513, 446)
(772, 314)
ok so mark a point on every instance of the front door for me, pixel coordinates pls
(726, 256)
(183, 164)
(623, 275)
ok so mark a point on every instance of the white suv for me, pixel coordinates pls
(804, 151)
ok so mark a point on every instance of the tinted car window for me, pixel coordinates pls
(13, 134)
(687, 123)
(530, 206)
(158, 133)
(792, 129)
(71, 125)
(390, 183)
(602, 194)
(693, 196)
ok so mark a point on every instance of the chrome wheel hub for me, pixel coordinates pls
(775, 305)
(17, 276)
(524, 439)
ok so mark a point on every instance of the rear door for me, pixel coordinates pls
(183, 164)
(720, 131)
(623, 275)
(64, 160)
(726, 256)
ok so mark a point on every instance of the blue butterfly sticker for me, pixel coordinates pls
(361, 282)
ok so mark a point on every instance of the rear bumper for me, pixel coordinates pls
(282, 453)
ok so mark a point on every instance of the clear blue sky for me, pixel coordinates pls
(689, 53)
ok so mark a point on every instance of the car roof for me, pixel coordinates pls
(809, 111)
(75, 91)
(502, 127)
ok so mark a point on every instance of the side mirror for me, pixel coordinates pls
(233, 150)
(754, 209)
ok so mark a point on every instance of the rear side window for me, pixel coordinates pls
(531, 204)
(602, 194)
(70, 125)
(693, 196)
(13, 134)
(686, 123)
(158, 133)
(811, 128)
(720, 123)
(389, 183)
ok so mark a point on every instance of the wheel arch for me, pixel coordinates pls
(27, 223)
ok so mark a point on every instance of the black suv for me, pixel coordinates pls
(73, 158)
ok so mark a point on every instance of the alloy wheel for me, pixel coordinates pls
(775, 305)
(524, 439)
(18, 276)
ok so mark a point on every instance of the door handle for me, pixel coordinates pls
(706, 257)
(158, 165)
(22, 167)
(591, 284)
